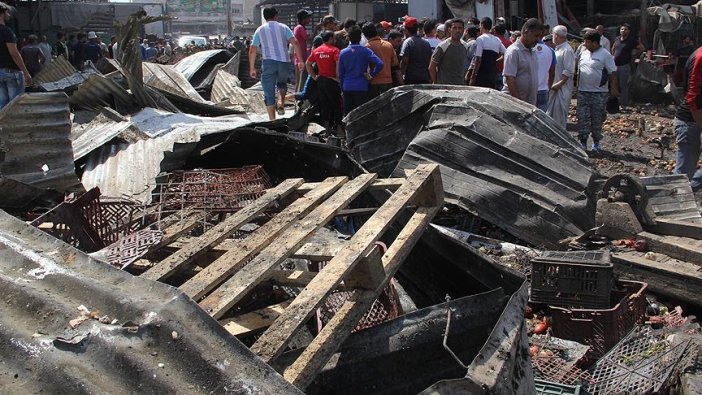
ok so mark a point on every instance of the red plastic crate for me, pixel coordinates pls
(602, 329)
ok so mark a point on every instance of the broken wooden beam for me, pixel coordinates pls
(682, 248)
(232, 291)
(220, 270)
(422, 187)
(249, 322)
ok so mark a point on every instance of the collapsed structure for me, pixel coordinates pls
(301, 265)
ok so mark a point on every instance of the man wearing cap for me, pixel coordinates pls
(382, 82)
(521, 68)
(415, 54)
(273, 38)
(92, 50)
(386, 28)
(488, 49)
(300, 32)
(441, 31)
(562, 89)
(448, 60)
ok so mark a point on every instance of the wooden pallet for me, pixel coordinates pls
(302, 209)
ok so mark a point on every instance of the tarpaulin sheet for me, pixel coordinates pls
(500, 158)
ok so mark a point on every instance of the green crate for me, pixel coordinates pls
(544, 387)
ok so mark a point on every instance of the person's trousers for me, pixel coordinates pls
(353, 99)
(591, 112)
(11, 85)
(499, 82)
(273, 74)
(623, 75)
(687, 135)
(329, 100)
(375, 90)
(542, 100)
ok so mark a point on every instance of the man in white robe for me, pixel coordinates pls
(562, 88)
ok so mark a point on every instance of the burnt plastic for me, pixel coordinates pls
(575, 279)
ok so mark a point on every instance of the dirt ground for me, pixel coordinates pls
(640, 141)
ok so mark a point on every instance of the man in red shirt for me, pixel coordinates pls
(327, 56)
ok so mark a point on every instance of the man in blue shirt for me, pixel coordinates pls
(353, 70)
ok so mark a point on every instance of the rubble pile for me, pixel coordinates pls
(166, 235)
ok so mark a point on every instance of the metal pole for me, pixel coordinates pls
(229, 18)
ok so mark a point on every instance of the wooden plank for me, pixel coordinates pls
(421, 186)
(671, 227)
(312, 251)
(384, 183)
(223, 298)
(182, 224)
(669, 277)
(682, 248)
(369, 273)
(291, 278)
(255, 320)
(219, 270)
(224, 229)
(312, 360)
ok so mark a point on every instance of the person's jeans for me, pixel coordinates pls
(11, 85)
(623, 75)
(499, 83)
(688, 154)
(273, 74)
(542, 100)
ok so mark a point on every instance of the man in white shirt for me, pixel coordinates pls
(488, 49)
(546, 59)
(562, 89)
(273, 38)
(604, 41)
(597, 80)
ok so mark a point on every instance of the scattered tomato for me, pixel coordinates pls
(533, 350)
(540, 328)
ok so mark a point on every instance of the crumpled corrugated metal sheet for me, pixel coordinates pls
(156, 339)
(500, 158)
(227, 88)
(169, 79)
(35, 130)
(130, 170)
(57, 69)
(99, 131)
(99, 92)
(198, 66)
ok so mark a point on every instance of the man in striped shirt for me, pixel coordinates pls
(273, 38)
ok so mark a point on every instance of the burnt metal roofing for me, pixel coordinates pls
(227, 87)
(500, 158)
(35, 131)
(75, 325)
(99, 92)
(198, 66)
(57, 69)
(87, 138)
(168, 78)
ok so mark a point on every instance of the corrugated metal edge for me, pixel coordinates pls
(96, 133)
(160, 341)
(190, 65)
(57, 69)
(96, 92)
(168, 78)
(35, 131)
(130, 170)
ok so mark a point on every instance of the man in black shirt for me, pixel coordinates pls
(13, 72)
(622, 48)
(688, 122)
